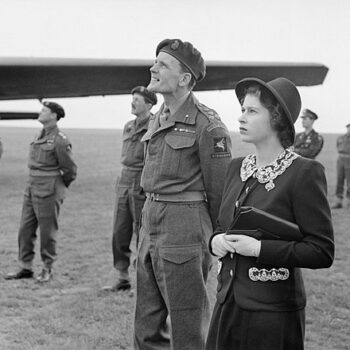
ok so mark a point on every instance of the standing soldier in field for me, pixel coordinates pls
(129, 195)
(343, 169)
(308, 143)
(51, 170)
(187, 153)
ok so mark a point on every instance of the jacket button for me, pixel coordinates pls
(231, 255)
(231, 273)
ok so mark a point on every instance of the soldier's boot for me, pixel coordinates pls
(123, 283)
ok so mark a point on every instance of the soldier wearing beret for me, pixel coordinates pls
(343, 169)
(129, 195)
(308, 143)
(51, 170)
(187, 152)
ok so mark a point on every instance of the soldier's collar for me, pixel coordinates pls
(142, 122)
(187, 112)
(50, 129)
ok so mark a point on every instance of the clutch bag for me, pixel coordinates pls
(262, 225)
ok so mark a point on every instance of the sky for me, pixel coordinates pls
(255, 30)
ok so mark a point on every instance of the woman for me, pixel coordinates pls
(260, 294)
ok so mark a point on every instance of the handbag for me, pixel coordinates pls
(259, 224)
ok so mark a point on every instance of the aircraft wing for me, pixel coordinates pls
(18, 115)
(37, 78)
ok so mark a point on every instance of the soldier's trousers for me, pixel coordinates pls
(127, 212)
(43, 197)
(343, 174)
(172, 268)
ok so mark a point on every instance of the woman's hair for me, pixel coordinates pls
(278, 119)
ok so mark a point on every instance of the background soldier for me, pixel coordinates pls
(308, 143)
(129, 195)
(188, 150)
(343, 169)
(51, 170)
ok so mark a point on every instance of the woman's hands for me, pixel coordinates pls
(234, 243)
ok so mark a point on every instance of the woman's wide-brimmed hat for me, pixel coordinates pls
(285, 92)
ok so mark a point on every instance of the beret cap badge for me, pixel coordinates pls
(175, 45)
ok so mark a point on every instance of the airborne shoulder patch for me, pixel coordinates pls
(220, 148)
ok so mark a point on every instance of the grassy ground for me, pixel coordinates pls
(71, 312)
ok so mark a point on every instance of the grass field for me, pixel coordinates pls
(71, 312)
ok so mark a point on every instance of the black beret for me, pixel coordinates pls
(55, 108)
(309, 113)
(149, 96)
(347, 125)
(184, 52)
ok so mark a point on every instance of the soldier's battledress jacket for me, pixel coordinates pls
(308, 145)
(292, 188)
(190, 152)
(52, 155)
(133, 149)
(343, 145)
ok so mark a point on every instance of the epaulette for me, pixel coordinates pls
(208, 112)
(213, 117)
(62, 135)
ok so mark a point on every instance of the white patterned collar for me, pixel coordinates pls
(268, 173)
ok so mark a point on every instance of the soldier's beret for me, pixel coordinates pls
(309, 113)
(347, 125)
(149, 96)
(55, 108)
(184, 52)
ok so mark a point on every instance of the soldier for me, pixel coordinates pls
(343, 169)
(308, 143)
(129, 195)
(51, 170)
(187, 152)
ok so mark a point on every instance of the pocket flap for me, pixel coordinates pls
(177, 141)
(180, 254)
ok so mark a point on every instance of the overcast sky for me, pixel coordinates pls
(255, 30)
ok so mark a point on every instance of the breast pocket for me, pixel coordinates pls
(46, 154)
(177, 147)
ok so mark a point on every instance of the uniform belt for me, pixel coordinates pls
(344, 155)
(36, 172)
(131, 168)
(189, 196)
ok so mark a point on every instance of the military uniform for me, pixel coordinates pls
(308, 145)
(51, 170)
(343, 166)
(185, 165)
(129, 195)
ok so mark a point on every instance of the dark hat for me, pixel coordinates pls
(347, 125)
(55, 108)
(309, 113)
(282, 89)
(149, 96)
(184, 52)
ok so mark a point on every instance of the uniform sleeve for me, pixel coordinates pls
(215, 156)
(66, 163)
(312, 214)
